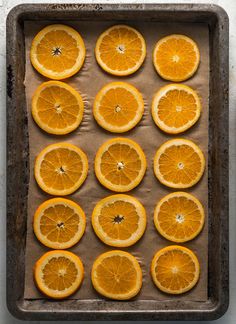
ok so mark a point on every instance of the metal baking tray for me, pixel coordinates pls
(18, 165)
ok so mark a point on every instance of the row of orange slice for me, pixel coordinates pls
(116, 274)
(58, 52)
(118, 220)
(118, 107)
(120, 165)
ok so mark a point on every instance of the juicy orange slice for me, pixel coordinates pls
(119, 220)
(179, 163)
(117, 275)
(57, 108)
(175, 269)
(59, 223)
(118, 107)
(58, 274)
(61, 168)
(120, 50)
(57, 52)
(175, 108)
(120, 164)
(176, 57)
(179, 217)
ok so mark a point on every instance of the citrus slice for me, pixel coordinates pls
(176, 57)
(57, 108)
(120, 164)
(58, 274)
(179, 217)
(57, 52)
(59, 223)
(179, 163)
(175, 108)
(119, 220)
(175, 269)
(61, 168)
(117, 275)
(120, 50)
(118, 107)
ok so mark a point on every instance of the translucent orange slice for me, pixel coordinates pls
(118, 107)
(120, 164)
(120, 50)
(58, 274)
(175, 269)
(119, 220)
(176, 57)
(57, 52)
(179, 217)
(61, 168)
(179, 163)
(117, 275)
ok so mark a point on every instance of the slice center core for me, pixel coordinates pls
(56, 51)
(121, 49)
(179, 218)
(180, 165)
(117, 108)
(118, 219)
(120, 165)
(175, 58)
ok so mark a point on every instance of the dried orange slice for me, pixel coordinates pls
(120, 164)
(176, 108)
(120, 50)
(59, 223)
(179, 217)
(119, 220)
(58, 274)
(118, 107)
(179, 163)
(61, 168)
(176, 57)
(57, 52)
(117, 275)
(175, 269)
(57, 108)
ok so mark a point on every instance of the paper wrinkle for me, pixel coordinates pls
(89, 136)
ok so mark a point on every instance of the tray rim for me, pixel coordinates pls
(14, 304)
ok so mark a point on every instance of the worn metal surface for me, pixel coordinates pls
(17, 159)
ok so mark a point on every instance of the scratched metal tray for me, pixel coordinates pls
(18, 166)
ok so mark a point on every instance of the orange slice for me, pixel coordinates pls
(57, 52)
(118, 107)
(119, 220)
(179, 163)
(176, 57)
(179, 217)
(175, 269)
(120, 164)
(120, 50)
(176, 108)
(57, 108)
(59, 223)
(61, 168)
(58, 274)
(117, 275)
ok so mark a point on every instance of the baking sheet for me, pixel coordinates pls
(89, 136)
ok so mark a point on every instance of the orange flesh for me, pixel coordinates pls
(57, 51)
(59, 273)
(61, 168)
(180, 164)
(176, 57)
(118, 107)
(179, 217)
(119, 220)
(175, 270)
(121, 49)
(120, 164)
(59, 223)
(116, 275)
(57, 107)
(177, 108)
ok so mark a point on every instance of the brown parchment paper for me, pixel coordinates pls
(89, 136)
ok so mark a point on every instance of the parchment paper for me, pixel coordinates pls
(89, 136)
